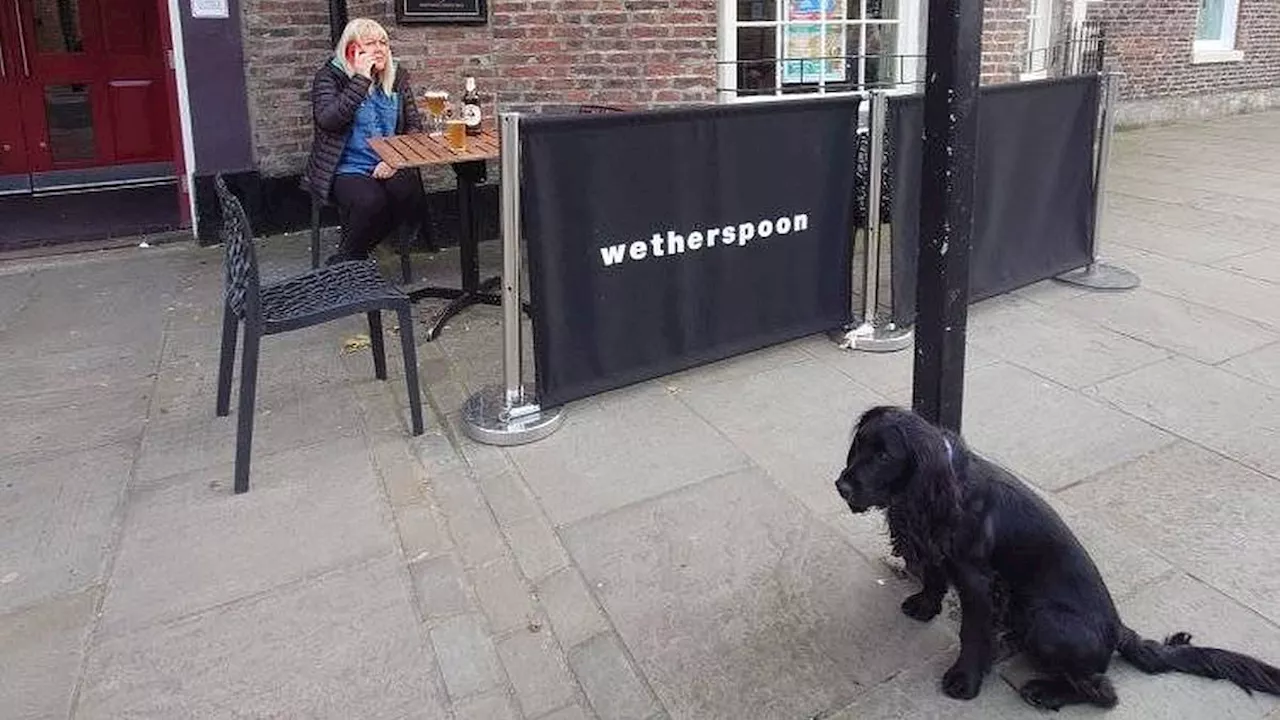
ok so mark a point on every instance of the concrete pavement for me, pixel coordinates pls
(676, 550)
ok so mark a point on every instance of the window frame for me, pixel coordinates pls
(1230, 23)
(1039, 30)
(908, 38)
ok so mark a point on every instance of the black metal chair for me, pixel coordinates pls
(312, 298)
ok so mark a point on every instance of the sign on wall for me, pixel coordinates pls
(441, 11)
(209, 9)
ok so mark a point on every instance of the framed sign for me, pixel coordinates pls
(441, 11)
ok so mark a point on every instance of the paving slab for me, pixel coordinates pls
(572, 609)
(342, 645)
(1214, 407)
(57, 523)
(1048, 435)
(1182, 602)
(42, 648)
(1185, 328)
(491, 707)
(1194, 243)
(734, 607)
(889, 374)
(1263, 265)
(468, 660)
(1207, 514)
(538, 670)
(59, 421)
(1262, 365)
(287, 417)
(609, 681)
(739, 367)
(191, 544)
(614, 452)
(795, 421)
(1227, 291)
(88, 370)
(1055, 344)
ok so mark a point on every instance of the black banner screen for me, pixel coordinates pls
(662, 240)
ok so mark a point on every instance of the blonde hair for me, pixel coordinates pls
(360, 29)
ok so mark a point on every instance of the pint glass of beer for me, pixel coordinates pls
(436, 100)
(455, 132)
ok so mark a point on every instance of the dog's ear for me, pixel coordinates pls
(934, 488)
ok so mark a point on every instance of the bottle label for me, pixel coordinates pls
(471, 114)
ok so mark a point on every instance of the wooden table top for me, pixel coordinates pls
(419, 149)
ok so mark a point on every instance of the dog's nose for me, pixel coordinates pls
(844, 487)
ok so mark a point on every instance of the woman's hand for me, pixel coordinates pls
(364, 61)
(383, 171)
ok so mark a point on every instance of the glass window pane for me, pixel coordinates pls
(58, 26)
(70, 119)
(882, 9)
(808, 9)
(884, 64)
(754, 10)
(802, 50)
(835, 50)
(835, 9)
(757, 66)
(1209, 26)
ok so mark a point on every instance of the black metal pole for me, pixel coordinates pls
(337, 20)
(952, 62)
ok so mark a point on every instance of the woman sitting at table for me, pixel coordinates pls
(358, 94)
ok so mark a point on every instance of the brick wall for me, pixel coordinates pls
(630, 52)
(1151, 42)
(1004, 40)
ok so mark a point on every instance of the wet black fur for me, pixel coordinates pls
(959, 520)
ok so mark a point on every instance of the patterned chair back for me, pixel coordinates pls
(241, 266)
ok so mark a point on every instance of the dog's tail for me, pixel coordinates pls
(1177, 654)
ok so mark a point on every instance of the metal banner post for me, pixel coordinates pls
(507, 414)
(1098, 275)
(868, 336)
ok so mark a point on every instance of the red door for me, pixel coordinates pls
(88, 81)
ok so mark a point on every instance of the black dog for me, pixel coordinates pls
(957, 519)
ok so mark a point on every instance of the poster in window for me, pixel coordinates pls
(812, 54)
(469, 12)
(815, 10)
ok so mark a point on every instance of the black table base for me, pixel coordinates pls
(473, 291)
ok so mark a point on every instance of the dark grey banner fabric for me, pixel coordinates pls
(1034, 195)
(662, 240)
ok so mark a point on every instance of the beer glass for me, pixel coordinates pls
(436, 100)
(455, 132)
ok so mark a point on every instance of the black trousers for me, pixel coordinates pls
(370, 209)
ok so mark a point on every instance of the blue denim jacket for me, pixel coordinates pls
(376, 117)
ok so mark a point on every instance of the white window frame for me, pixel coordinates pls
(909, 44)
(1039, 25)
(1221, 49)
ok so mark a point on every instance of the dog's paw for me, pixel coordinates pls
(1042, 694)
(962, 682)
(922, 608)
(1178, 638)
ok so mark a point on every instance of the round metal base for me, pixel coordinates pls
(1100, 276)
(875, 338)
(486, 419)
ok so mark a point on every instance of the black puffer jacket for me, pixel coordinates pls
(334, 100)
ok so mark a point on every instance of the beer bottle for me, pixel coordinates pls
(471, 107)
